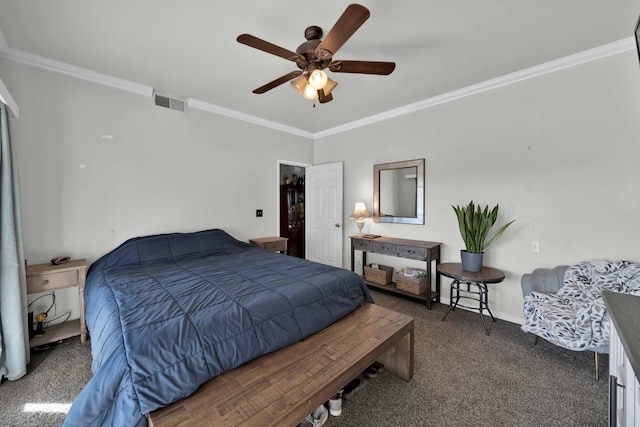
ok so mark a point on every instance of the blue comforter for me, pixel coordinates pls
(168, 312)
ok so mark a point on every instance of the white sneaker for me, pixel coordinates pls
(317, 418)
(335, 405)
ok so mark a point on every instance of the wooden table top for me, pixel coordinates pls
(486, 275)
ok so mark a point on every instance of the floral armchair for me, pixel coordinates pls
(564, 305)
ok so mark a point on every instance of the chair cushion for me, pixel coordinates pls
(566, 321)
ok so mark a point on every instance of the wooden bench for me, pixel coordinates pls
(282, 388)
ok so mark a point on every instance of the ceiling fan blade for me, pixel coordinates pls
(271, 48)
(353, 17)
(363, 67)
(278, 82)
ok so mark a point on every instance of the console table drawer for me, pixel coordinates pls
(363, 245)
(385, 248)
(412, 252)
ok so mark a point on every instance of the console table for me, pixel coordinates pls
(403, 248)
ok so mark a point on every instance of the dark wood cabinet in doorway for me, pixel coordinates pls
(292, 217)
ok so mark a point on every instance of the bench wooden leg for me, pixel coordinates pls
(399, 358)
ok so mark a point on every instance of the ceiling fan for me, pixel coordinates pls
(316, 54)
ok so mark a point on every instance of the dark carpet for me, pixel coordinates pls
(462, 377)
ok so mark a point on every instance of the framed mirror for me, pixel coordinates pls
(398, 192)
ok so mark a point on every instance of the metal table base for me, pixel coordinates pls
(482, 299)
(477, 280)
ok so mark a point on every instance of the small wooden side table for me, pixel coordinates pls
(276, 244)
(479, 280)
(48, 277)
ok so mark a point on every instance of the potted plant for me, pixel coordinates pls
(475, 223)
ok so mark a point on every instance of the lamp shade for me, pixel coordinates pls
(300, 83)
(318, 79)
(360, 211)
(310, 93)
(329, 86)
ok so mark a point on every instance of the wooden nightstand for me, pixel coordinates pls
(276, 244)
(48, 277)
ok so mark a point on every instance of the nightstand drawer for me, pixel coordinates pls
(275, 244)
(53, 280)
(47, 277)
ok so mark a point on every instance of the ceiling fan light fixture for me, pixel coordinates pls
(328, 88)
(318, 79)
(299, 84)
(310, 93)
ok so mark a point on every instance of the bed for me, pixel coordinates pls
(167, 313)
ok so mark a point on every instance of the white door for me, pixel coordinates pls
(323, 213)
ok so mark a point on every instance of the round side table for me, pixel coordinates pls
(479, 280)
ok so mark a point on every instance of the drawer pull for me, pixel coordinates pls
(45, 282)
(411, 251)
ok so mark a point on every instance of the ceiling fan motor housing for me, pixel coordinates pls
(307, 49)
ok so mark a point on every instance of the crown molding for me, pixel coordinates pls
(580, 58)
(73, 71)
(216, 109)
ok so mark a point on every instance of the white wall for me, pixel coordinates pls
(162, 171)
(559, 153)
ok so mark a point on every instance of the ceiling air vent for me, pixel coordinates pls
(171, 103)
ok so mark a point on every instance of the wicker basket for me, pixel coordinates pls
(379, 276)
(412, 285)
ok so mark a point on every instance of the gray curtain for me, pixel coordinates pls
(14, 336)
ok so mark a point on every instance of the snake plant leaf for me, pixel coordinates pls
(497, 234)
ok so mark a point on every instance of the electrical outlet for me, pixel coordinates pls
(259, 213)
(535, 246)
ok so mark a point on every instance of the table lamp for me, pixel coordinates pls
(359, 213)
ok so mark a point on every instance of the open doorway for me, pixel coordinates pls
(291, 182)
